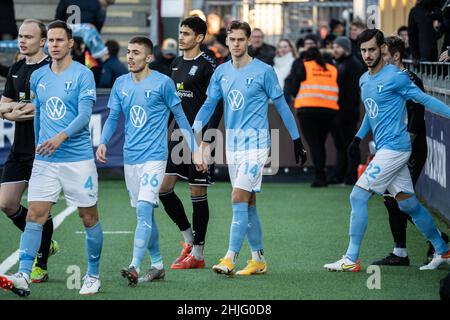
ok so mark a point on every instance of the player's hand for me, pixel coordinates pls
(199, 159)
(101, 153)
(353, 151)
(51, 145)
(22, 111)
(299, 151)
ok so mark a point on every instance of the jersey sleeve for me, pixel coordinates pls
(214, 90)
(271, 84)
(9, 86)
(33, 90)
(410, 91)
(87, 87)
(114, 102)
(169, 94)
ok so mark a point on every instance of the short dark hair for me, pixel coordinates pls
(369, 34)
(113, 47)
(196, 24)
(58, 24)
(40, 24)
(143, 40)
(395, 44)
(240, 25)
(312, 37)
(401, 29)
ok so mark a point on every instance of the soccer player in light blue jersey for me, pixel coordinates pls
(64, 95)
(246, 85)
(146, 98)
(384, 91)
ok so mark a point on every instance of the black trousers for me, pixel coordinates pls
(343, 130)
(315, 124)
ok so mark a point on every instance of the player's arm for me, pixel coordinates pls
(86, 100)
(411, 92)
(114, 105)
(353, 148)
(16, 111)
(214, 95)
(173, 102)
(273, 90)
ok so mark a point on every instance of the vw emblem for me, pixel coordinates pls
(55, 107)
(235, 100)
(371, 108)
(138, 116)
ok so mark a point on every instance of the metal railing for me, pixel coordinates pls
(435, 77)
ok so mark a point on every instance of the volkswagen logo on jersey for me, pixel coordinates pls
(371, 107)
(55, 107)
(138, 116)
(235, 100)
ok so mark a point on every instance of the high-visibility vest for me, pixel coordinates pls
(320, 89)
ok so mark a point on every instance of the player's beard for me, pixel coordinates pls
(377, 62)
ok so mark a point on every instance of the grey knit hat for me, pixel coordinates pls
(345, 43)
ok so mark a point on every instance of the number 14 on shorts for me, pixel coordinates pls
(253, 170)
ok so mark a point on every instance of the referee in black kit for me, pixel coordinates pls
(398, 220)
(16, 105)
(191, 73)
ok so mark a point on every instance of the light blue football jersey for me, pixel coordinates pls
(56, 98)
(246, 93)
(385, 95)
(146, 106)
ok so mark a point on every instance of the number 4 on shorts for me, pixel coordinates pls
(89, 184)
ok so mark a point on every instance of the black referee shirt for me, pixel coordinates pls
(17, 87)
(191, 79)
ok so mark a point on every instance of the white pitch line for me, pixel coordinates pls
(108, 232)
(14, 257)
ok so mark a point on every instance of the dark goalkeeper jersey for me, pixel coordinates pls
(191, 79)
(17, 87)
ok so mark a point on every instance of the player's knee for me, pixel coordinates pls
(359, 197)
(197, 191)
(8, 207)
(240, 196)
(89, 216)
(36, 215)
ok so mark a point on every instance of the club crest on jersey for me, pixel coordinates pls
(148, 93)
(380, 87)
(193, 70)
(68, 86)
(249, 81)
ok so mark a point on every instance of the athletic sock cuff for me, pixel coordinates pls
(164, 194)
(17, 214)
(199, 198)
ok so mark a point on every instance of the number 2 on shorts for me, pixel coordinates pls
(375, 171)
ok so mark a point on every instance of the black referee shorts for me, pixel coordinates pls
(17, 169)
(188, 172)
